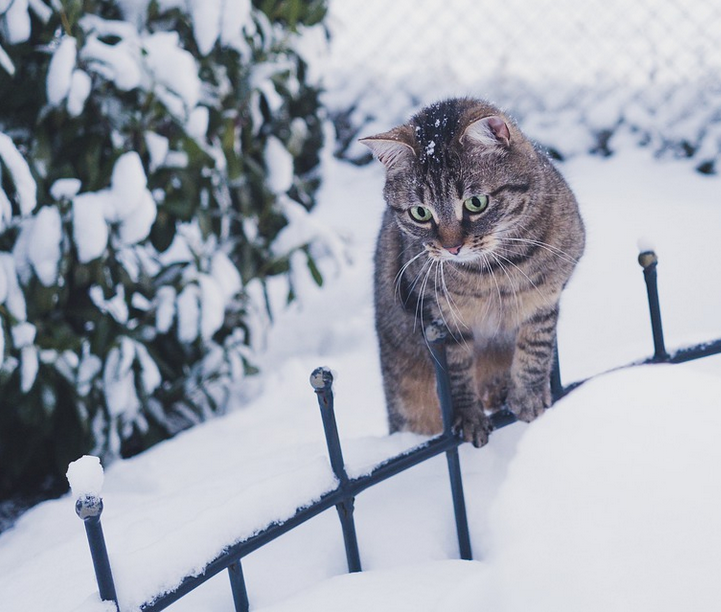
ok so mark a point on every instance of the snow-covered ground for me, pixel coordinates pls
(611, 501)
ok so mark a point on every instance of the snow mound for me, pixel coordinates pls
(430, 586)
(611, 501)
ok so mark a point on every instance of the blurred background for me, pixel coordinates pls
(653, 67)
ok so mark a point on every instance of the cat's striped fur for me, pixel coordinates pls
(493, 277)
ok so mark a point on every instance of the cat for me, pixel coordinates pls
(480, 233)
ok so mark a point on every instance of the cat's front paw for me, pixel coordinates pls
(529, 404)
(474, 427)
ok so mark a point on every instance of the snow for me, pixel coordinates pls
(90, 232)
(304, 228)
(153, 61)
(80, 87)
(165, 312)
(16, 22)
(41, 10)
(65, 189)
(197, 126)
(6, 210)
(60, 70)
(172, 67)
(212, 306)
(645, 534)
(6, 62)
(237, 20)
(119, 380)
(188, 313)
(14, 297)
(118, 63)
(206, 16)
(23, 334)
(88, 367)
(44, 244)
(29, 366)
(126, 204)
(128, 182)
(157, 148)
(644, 245)
(226, 275)
(428, 586)
(115, 305)
(3, 285)
(210, 20)
(86, 476)
(137, 217)
(19, 170)
(149, 373)
(279, 164)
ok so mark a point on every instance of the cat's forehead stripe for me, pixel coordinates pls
(459, 210)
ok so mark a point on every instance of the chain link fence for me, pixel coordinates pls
(587, 65)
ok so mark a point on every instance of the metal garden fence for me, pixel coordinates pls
(342, 497)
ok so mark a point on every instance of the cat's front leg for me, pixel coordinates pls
(470, 419)
(530, 391)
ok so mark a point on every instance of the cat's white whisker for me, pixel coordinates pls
(543, 245)
(420, 302)
(451, 304)
(399, 276)
(514, 286)
(455, 316)
(498, 257)
(498, 292)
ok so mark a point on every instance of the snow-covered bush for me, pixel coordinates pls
(152, 152)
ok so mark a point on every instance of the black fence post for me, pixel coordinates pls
(556, 383)
(649, 262)
(436, 337)
(322, 382)
(237, 585)
(89, 508)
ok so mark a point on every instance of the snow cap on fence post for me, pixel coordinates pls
(86, 477)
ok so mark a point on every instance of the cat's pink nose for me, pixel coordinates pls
(454, 250)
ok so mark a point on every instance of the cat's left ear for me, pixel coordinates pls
(391, 147)
(488, 131)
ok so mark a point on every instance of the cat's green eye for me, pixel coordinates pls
(476, 204)
(421, 214)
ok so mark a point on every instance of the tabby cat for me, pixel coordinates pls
(480, 233)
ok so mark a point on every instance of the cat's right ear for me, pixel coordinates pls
(488, 132)
(392, 148)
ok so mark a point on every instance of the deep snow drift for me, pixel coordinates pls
(610, 501)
